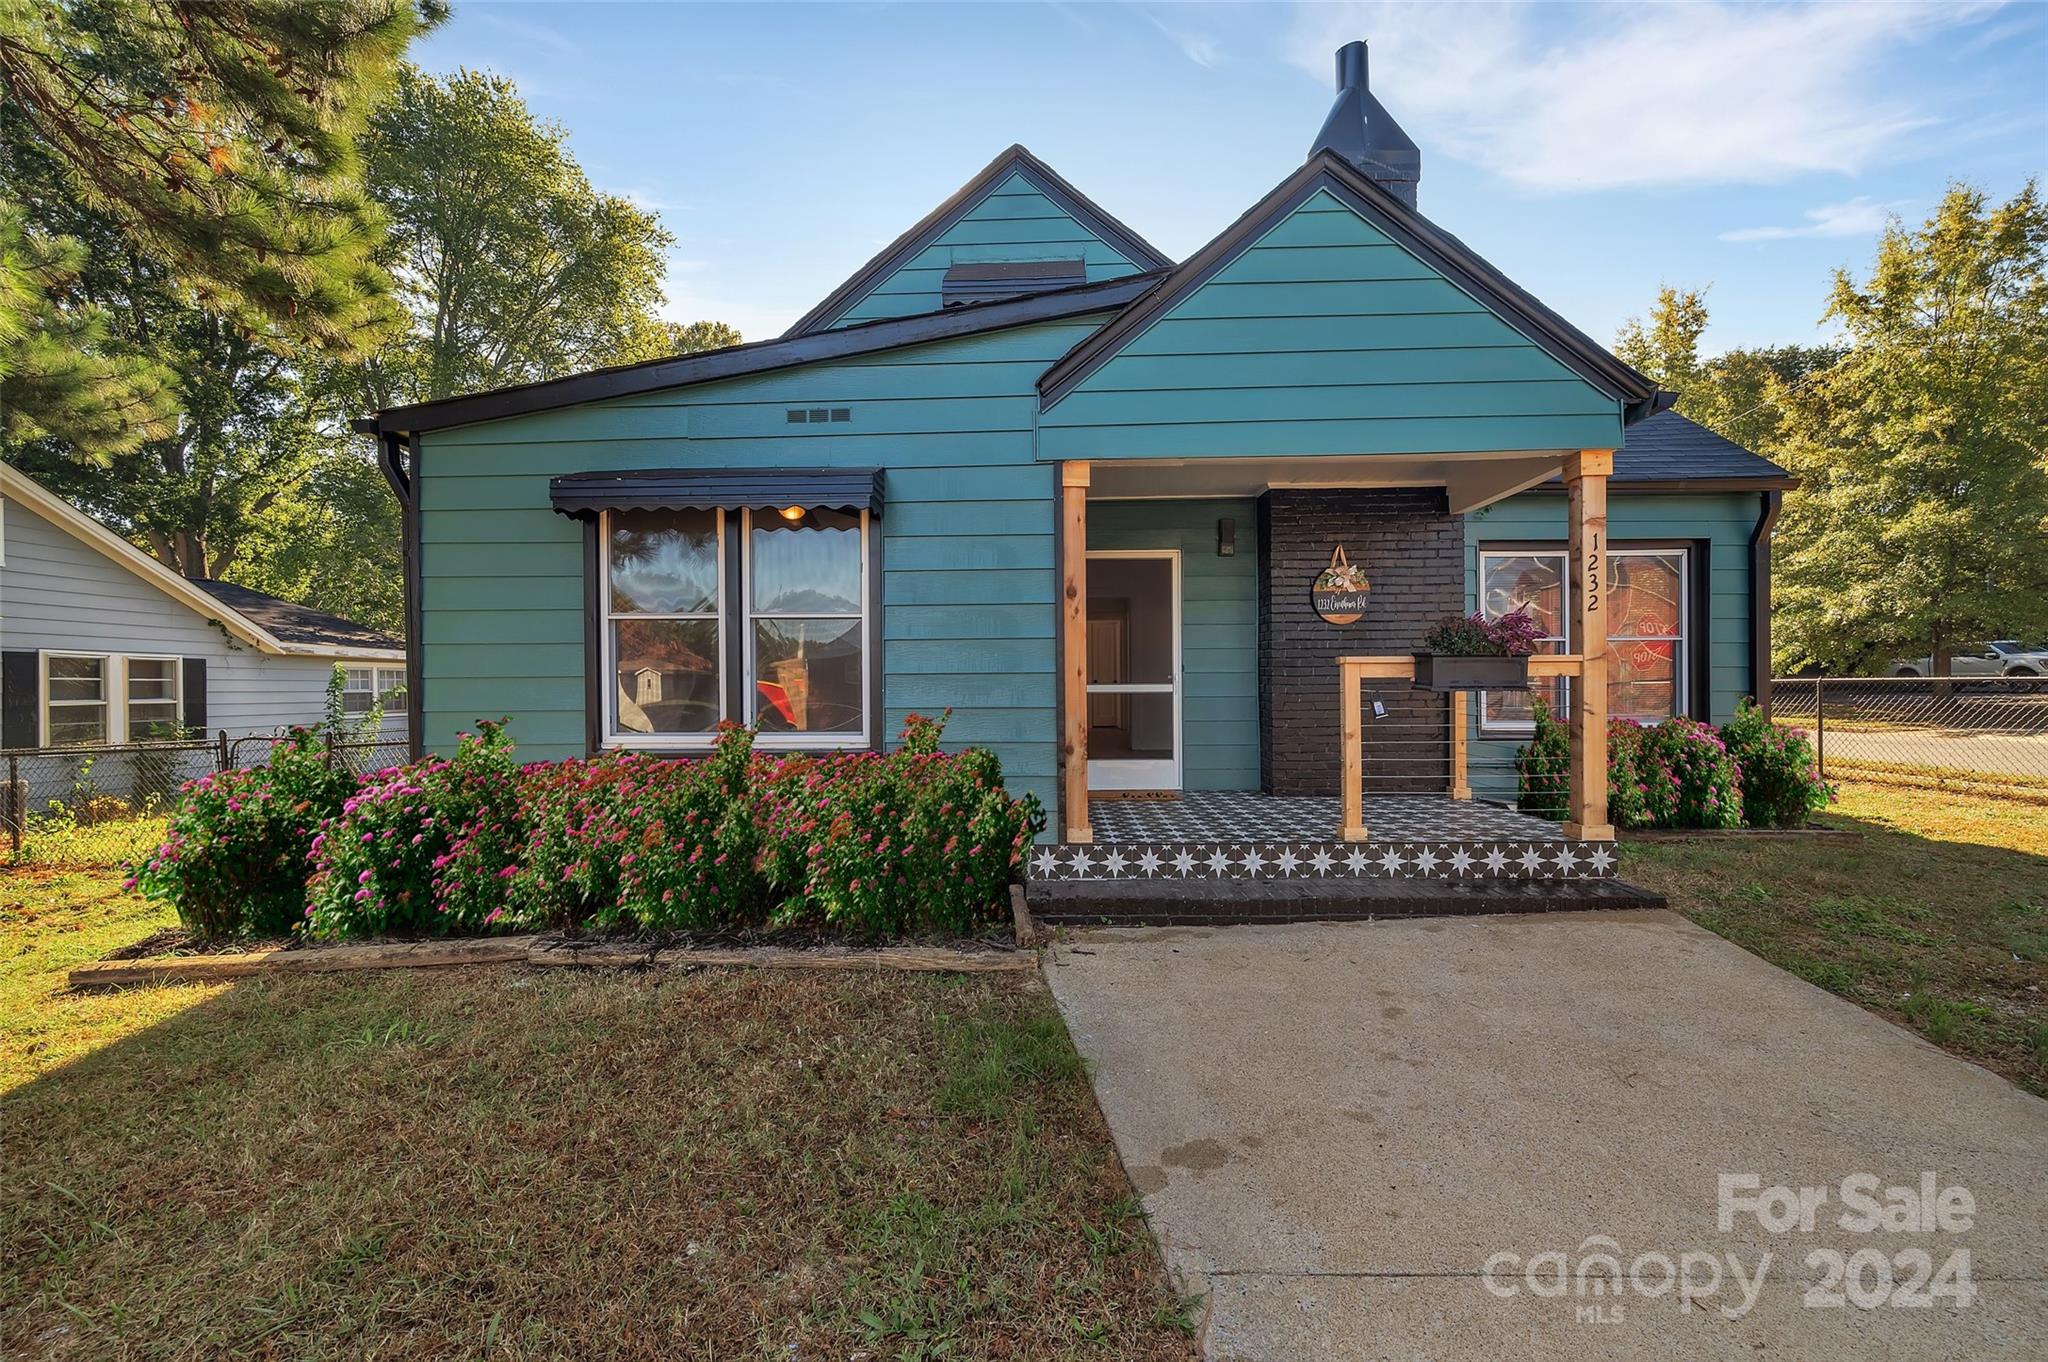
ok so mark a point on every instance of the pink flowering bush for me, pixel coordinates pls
(914, 840)
(1675, 774)
(378, 864)
(233, 861)
(1781, 781)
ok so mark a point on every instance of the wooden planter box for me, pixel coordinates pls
(1445, 672)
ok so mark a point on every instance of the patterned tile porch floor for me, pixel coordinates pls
(1248, 816)
(1248, 836)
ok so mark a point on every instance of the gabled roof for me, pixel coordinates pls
(248, 615)
(1326, 172)
(1667, 448)
(735, 361)
(295, 624)
(1014, 161)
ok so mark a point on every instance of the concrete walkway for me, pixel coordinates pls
(1335, 1127)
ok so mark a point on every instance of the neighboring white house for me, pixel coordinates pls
(101, 643)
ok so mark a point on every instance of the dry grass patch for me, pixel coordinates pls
(1937, 917)
(509, 1163)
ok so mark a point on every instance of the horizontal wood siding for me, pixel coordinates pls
(1219, 627)
(59, 594)
(1327, 337)
(1014, 222)
(1724, 521)
(967, 537)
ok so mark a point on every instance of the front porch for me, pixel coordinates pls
(1245, 835)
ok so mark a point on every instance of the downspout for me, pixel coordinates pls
(1760, 600)
(400, 472)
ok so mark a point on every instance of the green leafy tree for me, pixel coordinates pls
(1739, 394)
(513, 267)
(221, 136)
(1922, 516)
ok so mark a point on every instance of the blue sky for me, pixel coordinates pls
(1591, 151)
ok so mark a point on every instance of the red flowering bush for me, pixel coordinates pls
(378, 864)
(1675, 774)
(233, 862)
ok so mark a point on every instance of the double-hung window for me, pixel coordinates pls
(362, 688)
(110, 698)
(77, 698)
(760, 616)
(1647, 633)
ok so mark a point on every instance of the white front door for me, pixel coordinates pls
(1134, 669)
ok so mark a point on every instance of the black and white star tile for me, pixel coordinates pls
(1550, 859)
(1248, 816)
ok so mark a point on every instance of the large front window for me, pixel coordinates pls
(756, 616)
(1646, 629)
(110, 698)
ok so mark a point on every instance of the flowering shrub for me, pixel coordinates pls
(233, 861)
(1675, 774)
(1781, 782)
(1514, 634)
(864, 842)
(378, 863)
(1692, 781)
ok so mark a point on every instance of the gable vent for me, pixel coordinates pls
(986, 281)
(817, 416)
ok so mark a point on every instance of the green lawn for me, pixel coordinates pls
(508, 1163)
(1936, 917)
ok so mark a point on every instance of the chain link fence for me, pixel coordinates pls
(1985, 735)
(106, 804)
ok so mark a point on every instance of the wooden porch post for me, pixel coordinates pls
(1585, 481)
(1074, 650)
(1460, 786)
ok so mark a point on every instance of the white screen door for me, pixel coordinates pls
(1134, 669)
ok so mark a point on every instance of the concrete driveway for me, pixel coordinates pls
(1337, 1127)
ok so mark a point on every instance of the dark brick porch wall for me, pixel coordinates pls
(1413, 553)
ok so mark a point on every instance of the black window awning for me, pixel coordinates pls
(584, 495)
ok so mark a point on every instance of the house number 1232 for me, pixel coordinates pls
(1593, 574)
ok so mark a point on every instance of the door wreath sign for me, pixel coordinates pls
(1339, 591)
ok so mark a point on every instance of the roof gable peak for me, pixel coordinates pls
(1015, 162)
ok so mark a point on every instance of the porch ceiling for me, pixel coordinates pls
(1470, 481)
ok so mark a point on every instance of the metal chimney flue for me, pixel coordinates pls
(1360, 130)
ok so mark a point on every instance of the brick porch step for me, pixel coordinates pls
(1218, 902)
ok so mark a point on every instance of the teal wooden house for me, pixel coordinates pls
(1024, 467)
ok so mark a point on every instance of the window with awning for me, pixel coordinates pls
(746, 597)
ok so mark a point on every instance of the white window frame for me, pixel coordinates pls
(177, 700)
(1681, 696)
(113, 692)
(614, 736)
(108, 676)
(782, 742)
(385, 682)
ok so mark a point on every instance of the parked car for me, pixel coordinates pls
(2002, 657)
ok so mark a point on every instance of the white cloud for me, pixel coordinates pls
(1858, 217)
(1199, 48)
(540, 35)
(1604, 96)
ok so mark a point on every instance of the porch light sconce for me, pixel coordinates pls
(1226, 538)
(792, 513)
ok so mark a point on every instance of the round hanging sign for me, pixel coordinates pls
(1339, 592)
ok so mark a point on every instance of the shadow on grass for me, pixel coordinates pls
(512, 1163)
(1941, 935)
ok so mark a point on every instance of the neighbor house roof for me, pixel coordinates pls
(266, 623)
(292, 623)
(1667, 448)
(1016, 160)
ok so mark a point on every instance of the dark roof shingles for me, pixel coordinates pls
(291, 623)
(1669, 448)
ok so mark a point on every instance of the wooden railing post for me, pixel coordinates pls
(1074, 650)
(1585, 482)
(1460, 787)
(1351, 727)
